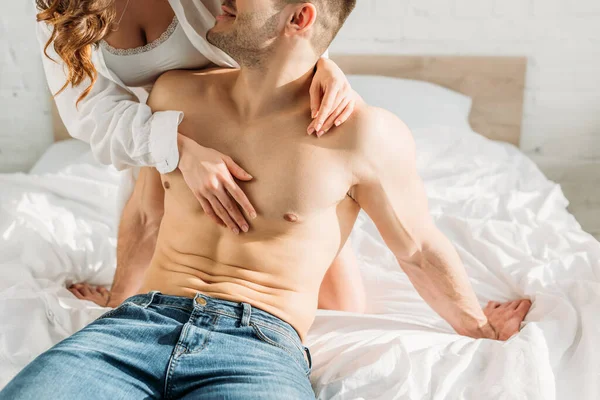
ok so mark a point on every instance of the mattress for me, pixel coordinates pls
(508, 222)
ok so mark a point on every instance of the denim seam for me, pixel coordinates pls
(280, 332)
(178, 352)
(258, 322)
(110, 313)
(264, 338)
(172, 306)
(169, 386)
(213, 324)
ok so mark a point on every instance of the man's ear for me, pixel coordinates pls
(302, 19)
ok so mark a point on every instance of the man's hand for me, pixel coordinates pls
(98, 294)
(506, 318)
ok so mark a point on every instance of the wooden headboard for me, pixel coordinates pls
(496, 85)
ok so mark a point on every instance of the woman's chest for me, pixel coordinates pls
(150, 44)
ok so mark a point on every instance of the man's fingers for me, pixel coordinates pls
(222, 213)
(329, 101)
(236, 170)
(493, 304)
(85, 290)
(102, 290)
(208, 210)
(239, 196)
(524, 307)
(233, 210)
(333, 117)
(75, 291)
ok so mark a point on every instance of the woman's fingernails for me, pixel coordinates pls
(313, 113)
(310, 130)
(245, 228)
(338, 123)
(318, 127)
(236, 231)
(252, 215)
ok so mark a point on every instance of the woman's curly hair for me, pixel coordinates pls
(77, 27)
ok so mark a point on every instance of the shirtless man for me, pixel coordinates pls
(221, 315)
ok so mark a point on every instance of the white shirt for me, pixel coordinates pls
(121, 130)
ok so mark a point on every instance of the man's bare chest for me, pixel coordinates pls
(294, 174)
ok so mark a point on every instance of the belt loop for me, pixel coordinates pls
(308, 357)
(151, 294)
(246, 314)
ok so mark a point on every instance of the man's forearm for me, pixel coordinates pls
(440, 278)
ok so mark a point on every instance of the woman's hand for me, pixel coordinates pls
(332, 99)
(209, 174)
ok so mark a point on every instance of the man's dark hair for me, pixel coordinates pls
(331, 15)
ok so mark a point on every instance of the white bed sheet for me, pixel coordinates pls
(508, 222)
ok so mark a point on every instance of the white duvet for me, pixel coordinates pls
(508, 222)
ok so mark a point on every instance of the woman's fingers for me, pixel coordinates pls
(333, 117)
(232, 209)
(239, 196)
(208, 210)
(236, 170)
(346, 113)
(315, 99)
(222, 213)
(329, 103)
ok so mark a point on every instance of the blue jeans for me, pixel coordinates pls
(155, 346)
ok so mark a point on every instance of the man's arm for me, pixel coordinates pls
(390, 190)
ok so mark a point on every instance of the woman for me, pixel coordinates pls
(102, 58)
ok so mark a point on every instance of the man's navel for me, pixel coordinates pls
(167, 184)
(290, 217)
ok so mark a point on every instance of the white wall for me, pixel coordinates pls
(560, 37)
(25, 121)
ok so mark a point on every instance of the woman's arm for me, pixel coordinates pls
(332, 100)
(121, 130)
(124, 132)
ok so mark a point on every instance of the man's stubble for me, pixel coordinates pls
(251, 41)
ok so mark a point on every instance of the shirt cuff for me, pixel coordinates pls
(164, 150)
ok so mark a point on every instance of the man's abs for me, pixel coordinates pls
(277, 266)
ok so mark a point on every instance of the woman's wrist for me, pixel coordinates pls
(181, 145)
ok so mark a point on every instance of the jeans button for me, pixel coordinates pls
(201, 301)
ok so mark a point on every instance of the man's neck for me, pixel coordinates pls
(273, 86)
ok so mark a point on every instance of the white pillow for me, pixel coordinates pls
(419, 104)
(59, 155)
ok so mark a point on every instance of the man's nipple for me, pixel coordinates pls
(290, 217)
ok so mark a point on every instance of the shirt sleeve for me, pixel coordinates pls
(120, 130)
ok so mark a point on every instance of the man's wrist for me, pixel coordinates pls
(485, 331)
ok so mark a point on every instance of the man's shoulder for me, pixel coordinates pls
(375, 129)
(175, 86)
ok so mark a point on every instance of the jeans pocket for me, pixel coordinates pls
(110, 313)
(284, 341)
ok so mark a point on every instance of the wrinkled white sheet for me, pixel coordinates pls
(508, 222)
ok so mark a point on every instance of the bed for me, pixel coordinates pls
(508, 222)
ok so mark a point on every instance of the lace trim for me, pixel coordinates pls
(142, 49)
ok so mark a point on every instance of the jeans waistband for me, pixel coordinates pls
(213, 305)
